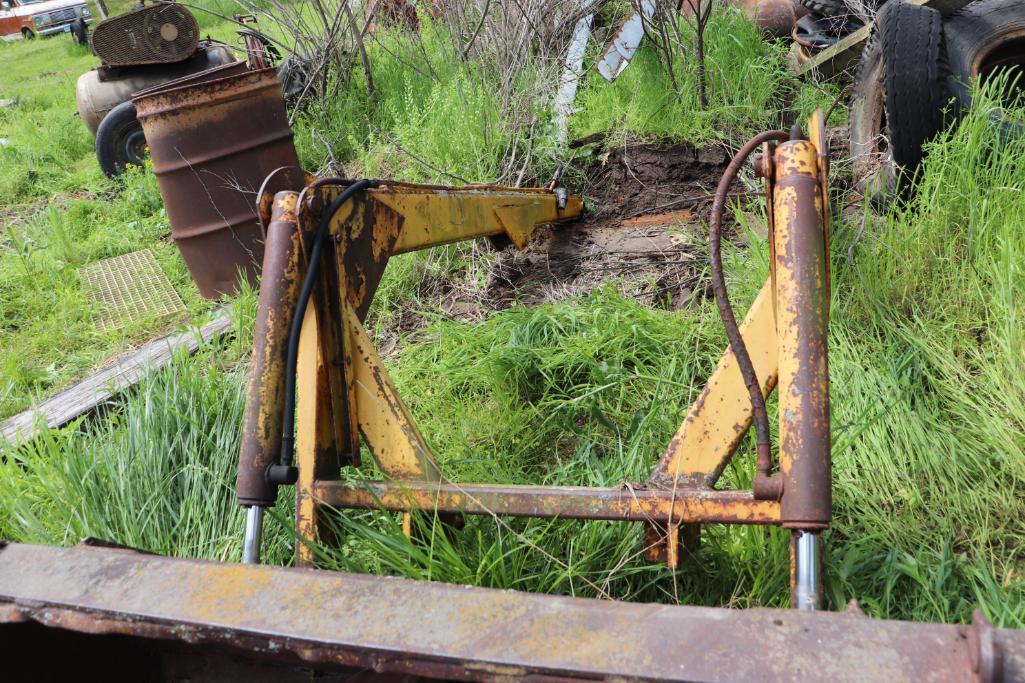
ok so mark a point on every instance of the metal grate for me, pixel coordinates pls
(128, 288)
(159, 33)
(62, 15)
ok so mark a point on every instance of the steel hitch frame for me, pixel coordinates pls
(345, 392)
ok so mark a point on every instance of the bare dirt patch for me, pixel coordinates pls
(647, 234)
(650, 178)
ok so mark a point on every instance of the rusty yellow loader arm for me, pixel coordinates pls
(318, 390)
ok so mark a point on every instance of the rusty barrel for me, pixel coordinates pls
(213, 138)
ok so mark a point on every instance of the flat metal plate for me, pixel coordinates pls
(329, 619)
(128, 288)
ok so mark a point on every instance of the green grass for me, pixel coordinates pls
(926, 361)
(57, 213)
(748, 84)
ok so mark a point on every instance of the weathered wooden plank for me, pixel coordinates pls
(846, 52)
(111, 380)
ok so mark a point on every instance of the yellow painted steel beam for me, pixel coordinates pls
(314, 433)
(683, 505)
(432, 215)
(388, 428)
(722, 414)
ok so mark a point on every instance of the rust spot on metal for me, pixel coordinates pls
(300, 618)
(279, 290)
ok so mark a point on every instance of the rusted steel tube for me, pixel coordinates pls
(265, 397)
(801, 329)
(569, 502)
(722, 298)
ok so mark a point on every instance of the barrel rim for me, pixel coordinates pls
(154, 101)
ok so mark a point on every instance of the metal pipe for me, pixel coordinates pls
(265, 393)
(802, 332)
(806, 583)
(625, 503)
(253, 536)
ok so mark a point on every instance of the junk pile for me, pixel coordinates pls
(141, 49)
(913, 62)
(214, 126)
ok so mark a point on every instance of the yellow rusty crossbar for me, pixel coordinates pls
(721, 416)
(569, 502)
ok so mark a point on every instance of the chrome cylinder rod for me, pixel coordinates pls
(253, 536)
(806, 583)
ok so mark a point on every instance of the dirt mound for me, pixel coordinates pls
(648, 178)
(647, 233)
(653, 258)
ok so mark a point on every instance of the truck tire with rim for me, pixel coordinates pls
(981, 37)
(119, 140)
(881, 138)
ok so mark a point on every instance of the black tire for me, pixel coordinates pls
(27, 34)
(916, 76)
(892, 114)
(872, 166)
(119, 140)
(827, 8)
(80, 32)
(979, 37)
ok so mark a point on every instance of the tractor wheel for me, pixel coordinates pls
(982, 37)
(119, 140)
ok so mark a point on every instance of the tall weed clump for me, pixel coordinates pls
(155, 471)
(747, 85)
(928, 371)
(461, 93)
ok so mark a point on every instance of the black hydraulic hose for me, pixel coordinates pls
(722, 297)
(321, 235)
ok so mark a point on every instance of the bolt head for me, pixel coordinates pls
(761, 168)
